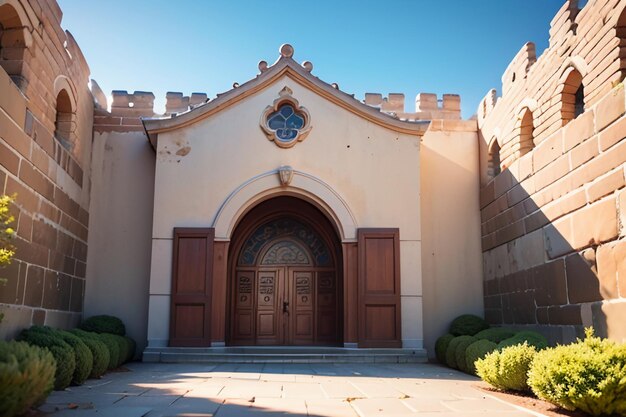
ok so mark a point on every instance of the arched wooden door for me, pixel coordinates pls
(285, 289)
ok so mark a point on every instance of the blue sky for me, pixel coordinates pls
(401, 46)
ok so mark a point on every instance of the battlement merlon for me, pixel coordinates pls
(427, 105)
(519, 67)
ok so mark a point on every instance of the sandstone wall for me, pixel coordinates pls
(38, 63)
(554, 220)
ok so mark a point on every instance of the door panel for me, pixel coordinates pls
(268, 298)
(300, 318)
(192, 273)
(379, 288)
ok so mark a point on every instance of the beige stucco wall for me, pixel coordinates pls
(451, 254)
(361, 172)
(118, 264)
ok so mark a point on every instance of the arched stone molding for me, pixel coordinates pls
(64, 83)
(529, 103)
(573, 63)
(267, 185)
(28, 20)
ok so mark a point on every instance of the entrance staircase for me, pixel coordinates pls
(282, 354)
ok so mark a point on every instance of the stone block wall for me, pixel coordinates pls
(554, 220)
(43, 96)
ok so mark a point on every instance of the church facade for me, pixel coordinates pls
(286, 212)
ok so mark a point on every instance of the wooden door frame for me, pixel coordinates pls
(306, 213)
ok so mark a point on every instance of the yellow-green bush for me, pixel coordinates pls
(62, 352)
(467, 324)
(459, 352)
(451, 351)
(477, 350)
(84, 357)
(441, 345)
(589, 375)
(26, 376)
(507, 369)
(98, 349)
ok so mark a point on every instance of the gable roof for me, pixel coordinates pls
(285, 65)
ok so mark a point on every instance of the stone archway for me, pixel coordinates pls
(285, 277)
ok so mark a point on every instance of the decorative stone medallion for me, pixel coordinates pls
(285, 122)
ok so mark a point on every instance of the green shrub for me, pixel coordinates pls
(104, 324)
(507, 369)
(98, 349)
(123, 346)
(84, 357)
(62, 352)
(26, 376)
(113, 347)
(477, 350)
(459, 352)
(132, 348)
(467, 324)
(532, 338)
(589, 375)
(441, 345)
(495, 334)
(451, 351)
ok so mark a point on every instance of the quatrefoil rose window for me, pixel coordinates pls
(285, 122)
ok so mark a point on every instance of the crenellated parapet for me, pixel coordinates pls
(427, 106)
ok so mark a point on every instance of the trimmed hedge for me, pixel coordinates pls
(467, 324)
(132, 348)
(532, 338)
(459, 352)
(104, 324)
(26, 376)
(62, 352)
(113, 347)
(495, 334)
(477, 350)
(507, 369)
(589, 375)
(84, 357)
(451, 351)
(98, 349)
(441, 345)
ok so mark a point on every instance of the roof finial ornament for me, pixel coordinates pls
(286, 50)
(308, 66)
(262, 66)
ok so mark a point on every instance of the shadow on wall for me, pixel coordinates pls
(553, 275)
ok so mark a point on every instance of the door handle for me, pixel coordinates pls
(285, 306)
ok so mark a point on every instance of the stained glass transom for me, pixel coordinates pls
(286, 252)
(285, 228)
(286, 122)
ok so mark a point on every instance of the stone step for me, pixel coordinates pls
(282, 355)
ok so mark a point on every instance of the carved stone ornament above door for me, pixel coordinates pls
(285, 122)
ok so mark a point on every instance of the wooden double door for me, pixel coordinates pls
(285, 305)
(284, 287)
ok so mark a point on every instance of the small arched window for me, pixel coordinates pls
(12, 44)
(572, 97)
(64, 122)
(493, 160)
(527, 129)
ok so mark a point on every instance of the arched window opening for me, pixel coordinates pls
(64, 124)
(493, 162)
(527, 129)
(12, 44)
(572, 97)
(620, 30)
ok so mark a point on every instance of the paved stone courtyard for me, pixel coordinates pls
(229, 390)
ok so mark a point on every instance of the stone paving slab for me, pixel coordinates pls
(238, 390)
